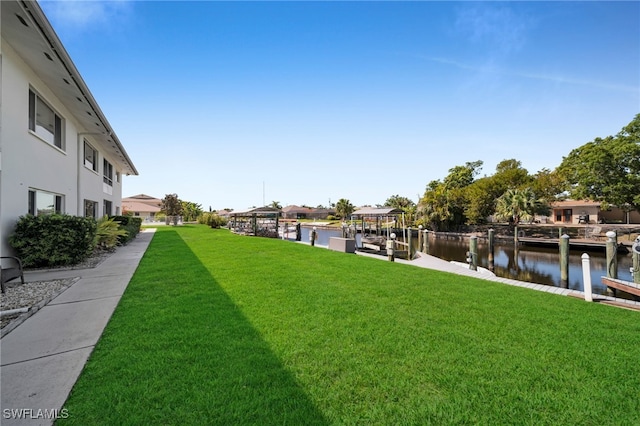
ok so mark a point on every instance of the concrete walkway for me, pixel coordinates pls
(41, 359)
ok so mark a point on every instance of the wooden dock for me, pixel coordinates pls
(574, 243)
(626, 286)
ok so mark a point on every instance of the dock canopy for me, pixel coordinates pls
(258, 221)
(257, 211)
(377, 211)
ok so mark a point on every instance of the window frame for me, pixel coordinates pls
(96, 155)
(55, 138)
(107, 207)
(107, 172)
(32, 205)
(93, 205)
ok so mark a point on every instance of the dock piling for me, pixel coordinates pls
(635, 249)
(586, 277)
(473, 253)
(612, 259)
(564, 261)
(490, 237)
(426, 241)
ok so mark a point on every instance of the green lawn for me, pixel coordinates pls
(216, 328)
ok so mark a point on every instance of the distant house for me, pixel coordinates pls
(585, 211)
(59, 154)
(143, 206)
(297, 212)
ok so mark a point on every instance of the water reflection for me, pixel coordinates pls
(532, 264)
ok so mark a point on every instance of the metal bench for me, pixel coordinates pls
(11, 272)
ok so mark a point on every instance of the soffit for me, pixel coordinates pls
(27, 30)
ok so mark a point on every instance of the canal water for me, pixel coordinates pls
(531, 264)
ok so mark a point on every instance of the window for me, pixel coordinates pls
(107, 171)
(42, 202)
(44, 121)
(90, 208)
(90, 157)
(106, 209)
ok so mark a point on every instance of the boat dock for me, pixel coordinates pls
(574, 243)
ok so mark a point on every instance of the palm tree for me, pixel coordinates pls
(516, 205)
(344, 208)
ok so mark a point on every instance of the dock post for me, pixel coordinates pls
(254, 224)
(564, 261)
(391, 243)
(312, 237)
(419, 237)
(409, 248)
(491, 249)
(612, 259)
(298, 232)
(635, 249)
(473, 253)
(586, 278)
(426, 241)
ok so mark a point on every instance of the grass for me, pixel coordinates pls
(216, 328)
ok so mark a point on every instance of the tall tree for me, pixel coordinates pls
(607, 170)
(172, 207)
(190, 210)
(547, 184)
(443, 203)
(517, 205)
(344, 208)
(405, 204)
(511, 175)
(398, 202)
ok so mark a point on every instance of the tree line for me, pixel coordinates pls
(606, 170)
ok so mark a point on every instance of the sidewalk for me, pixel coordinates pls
(42, 358)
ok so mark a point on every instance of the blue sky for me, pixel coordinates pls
(229, 104)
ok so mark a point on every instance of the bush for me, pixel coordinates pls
(212, 219)
(53, 240)
(109, 232)
(131, 224)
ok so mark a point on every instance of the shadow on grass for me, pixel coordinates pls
(179, 351)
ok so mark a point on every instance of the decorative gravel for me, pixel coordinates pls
(34, 295)
(29, 295)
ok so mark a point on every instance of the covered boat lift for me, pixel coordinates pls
(258, 221)
(379, 215)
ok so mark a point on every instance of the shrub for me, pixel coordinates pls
(131, 224)
(109, 232)
(53, 240)
(213, 220)
(204, 218)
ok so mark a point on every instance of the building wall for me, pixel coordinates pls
(576, 212)
(28, 162)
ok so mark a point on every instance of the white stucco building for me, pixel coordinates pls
(58, 152)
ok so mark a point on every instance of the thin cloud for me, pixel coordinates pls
(536, 76)
(496, 27)
(80, 15)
